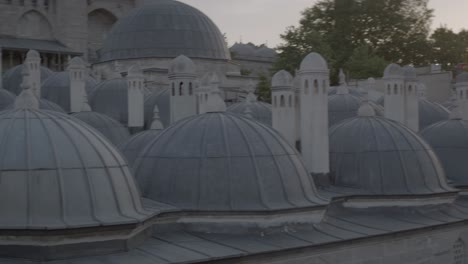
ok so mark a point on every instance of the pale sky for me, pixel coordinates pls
(262, 21)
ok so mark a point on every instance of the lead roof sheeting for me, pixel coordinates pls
(51, 46)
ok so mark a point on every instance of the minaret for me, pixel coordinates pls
(461, 87)
(394, 93)
(314, 78)
(182, 76)
(135, 83)
(282, 94)
(33, 62)
(411, 99)
(77, 72)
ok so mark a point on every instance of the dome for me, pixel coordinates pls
(334, 90)
(282, 79)
(136, 144)
(314, 62)
(344, 106)
(110, 128)
(394, 71)
(410, 73)
(6, 99)
(57, 89)
(13, 78)
(75, 177)
(462, 78)
(224, 162)
(182, 65)
(243, 50)
(260, 111)
(429, 112)
(449, 139)
(110, 98)
(164, 29)
(375, 155)
(44, 105)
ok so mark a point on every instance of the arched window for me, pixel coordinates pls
(395, 89)
(282, 102)
(306, 87)
(459, 252)
(190, 89)
(173, 89)
(290, 101)
(316, 87)
(181, 89)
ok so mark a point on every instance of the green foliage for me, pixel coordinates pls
(245, 72)
(449, 48)
(391, 30)
(364, 64)
(264, 89)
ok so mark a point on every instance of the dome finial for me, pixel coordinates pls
(342, 77)
(366, 110)
(248, 112)
(156, 123)
(27, 99)
(215, 103)
(343, 87)
(251, 97)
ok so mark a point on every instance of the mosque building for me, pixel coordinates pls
(145, 163)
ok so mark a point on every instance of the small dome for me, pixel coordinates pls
(259, 111)
(462, 78)
(282, 79)
(314, 62)
(136, 144)
(410, 73)
(6, 99)
(13, 78)
(449, 139)
(164, 29)
(110, 128)
(57, 89)
(110, 98)
(33, 54)
(393, 71)
(223, 162)
(74, 177)
(76, 62)
(376, 155)
(429, 112)
(344, 106)
(243, 50)
(182, 65)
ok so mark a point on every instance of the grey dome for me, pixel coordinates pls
(314, 62)
(243, 50)
(110, 128)
(164, 29)
(394, 71)
(6, 99)
(136, 144)
(110, 98)
(58, 173)
(57, 89)
(429, 112)
(449, 139)
(224, 162)
(380, 156)
(44, 105)
(344, 106)
(13, 78)
(161, 99)
(260, 111)
(334, 90)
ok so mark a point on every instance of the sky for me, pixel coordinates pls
(262, 21)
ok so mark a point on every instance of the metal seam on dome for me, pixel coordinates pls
(202, 155)
(228, 156)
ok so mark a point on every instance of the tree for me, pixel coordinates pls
(448, 47)
(264, 89)
(363, 64)
(394, 30)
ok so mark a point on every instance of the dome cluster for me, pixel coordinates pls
(251, 52)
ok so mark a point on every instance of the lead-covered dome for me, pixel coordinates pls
(164, 29)
(57, 89)
(374, 155)
(224, 162)
(259, 111)
(6, 99)
(449, 139)
(344, 106)
(13, 78)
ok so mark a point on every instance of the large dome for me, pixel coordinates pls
(375, 155)
(58, 173)
(224, 162)
(164, 29)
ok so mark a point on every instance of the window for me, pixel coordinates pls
(316, 87)
(181, 89)
(395, 89)
(306, 86)
(410, 89)
(290, 100)
(389, 90)
(458, 252)
(173, 89)
(190, 89)
(282, 102)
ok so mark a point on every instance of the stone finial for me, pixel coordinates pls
(342, 77)
(248, 112)
(156, 124)
(343, 87)
(250, 87)
(215, 103)
(27, 100)
(366, 110)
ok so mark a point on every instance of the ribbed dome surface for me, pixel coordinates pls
(44, 105)
(161, 99)
(429, 112)
(260, 111)
(58, 173)
(449, 139)
(110, 98)
(224, 162)
(137, 143)
(57, 89)
(13, 78)
(380, 156)
(6, 99)
(344, 106)
(110, 128)
(164, 29)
